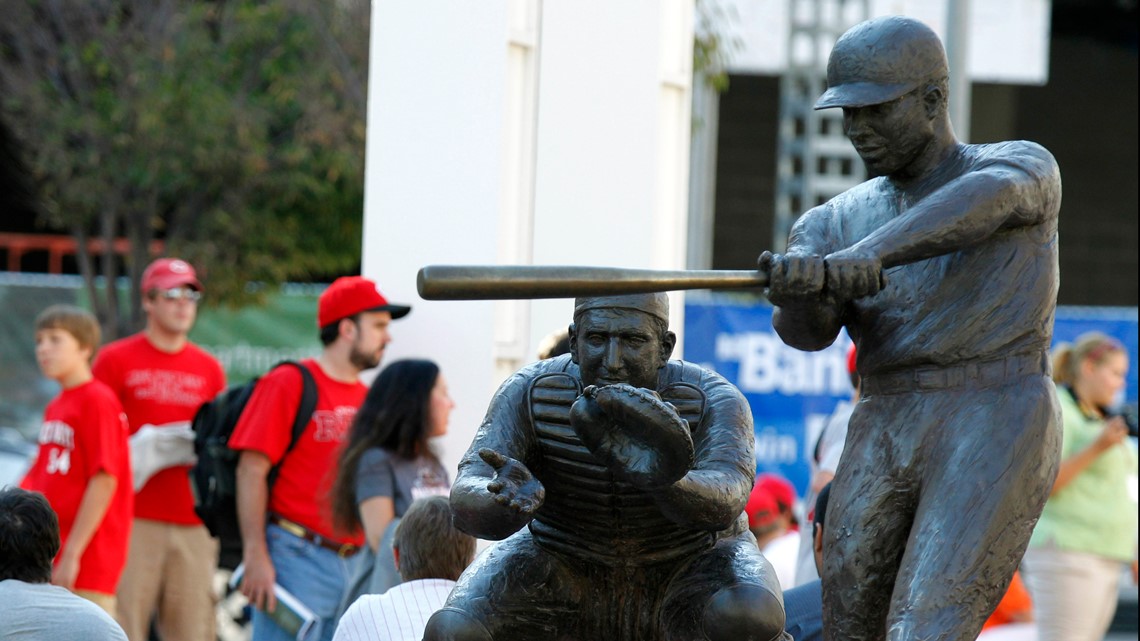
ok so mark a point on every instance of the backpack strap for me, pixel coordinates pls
(304, 410)
(308, 401)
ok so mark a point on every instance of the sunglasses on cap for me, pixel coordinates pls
(180, 293)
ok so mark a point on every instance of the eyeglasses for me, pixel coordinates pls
(181, 293)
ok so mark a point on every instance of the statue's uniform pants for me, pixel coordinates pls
(521, 591)
(933, 504)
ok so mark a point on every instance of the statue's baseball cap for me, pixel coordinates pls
(168, 273)
(656, 305)
(351, 295)
(881, 59)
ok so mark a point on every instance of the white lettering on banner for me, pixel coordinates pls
(774, 448)
(768, 365)
(57, 433)
(333, 425)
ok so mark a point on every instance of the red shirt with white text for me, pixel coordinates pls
(163, 390)
(301, 490)
(85, 432)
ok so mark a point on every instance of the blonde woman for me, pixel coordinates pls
(1087, 532)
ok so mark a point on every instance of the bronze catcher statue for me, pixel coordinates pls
(620, 478)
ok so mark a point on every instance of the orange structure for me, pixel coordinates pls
(57, 247)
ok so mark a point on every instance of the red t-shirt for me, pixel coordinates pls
(164, 390)
(1015, 606)
(85, 432)
(301, 491)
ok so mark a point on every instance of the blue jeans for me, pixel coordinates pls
(316, 576)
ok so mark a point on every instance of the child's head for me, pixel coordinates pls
(66, 340)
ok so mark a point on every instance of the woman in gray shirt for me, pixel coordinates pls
(387, 461)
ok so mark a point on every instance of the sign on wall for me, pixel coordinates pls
(793, 392)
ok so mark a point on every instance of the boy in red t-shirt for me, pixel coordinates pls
(83, 466)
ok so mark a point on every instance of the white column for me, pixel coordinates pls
(702, 174)
(957, 44)
(516, 223)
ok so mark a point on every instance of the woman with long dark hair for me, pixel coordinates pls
(1086, 535)
(387, 461)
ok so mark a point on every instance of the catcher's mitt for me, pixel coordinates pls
(640, 437)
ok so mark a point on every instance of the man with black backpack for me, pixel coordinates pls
(286, 529)
(161, 378)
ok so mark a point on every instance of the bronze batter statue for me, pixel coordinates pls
(620, 479)
(944, 270)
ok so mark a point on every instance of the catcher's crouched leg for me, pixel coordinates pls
(728, 593)
(454, 625)
(744, 613)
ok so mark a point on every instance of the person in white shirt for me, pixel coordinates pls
(430, 555)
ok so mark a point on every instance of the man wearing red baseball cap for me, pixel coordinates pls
(161, 378)
(287, 533)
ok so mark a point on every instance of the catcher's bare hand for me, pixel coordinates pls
(513, 486)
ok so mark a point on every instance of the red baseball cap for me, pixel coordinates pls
(168, 273)
(851, 359)
(351, 295)
(762, 509)
(779, 488)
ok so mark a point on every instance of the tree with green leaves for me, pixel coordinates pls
(231, 129)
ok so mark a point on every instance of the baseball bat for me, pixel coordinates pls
(500, 282)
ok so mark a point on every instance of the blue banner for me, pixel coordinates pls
(792, 393)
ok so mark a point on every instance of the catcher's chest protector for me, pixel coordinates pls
(588, 512)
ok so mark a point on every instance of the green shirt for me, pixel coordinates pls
(1094, 512)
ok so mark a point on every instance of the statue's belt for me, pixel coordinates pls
(979, 374)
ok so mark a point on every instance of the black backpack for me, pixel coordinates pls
(213, 479)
